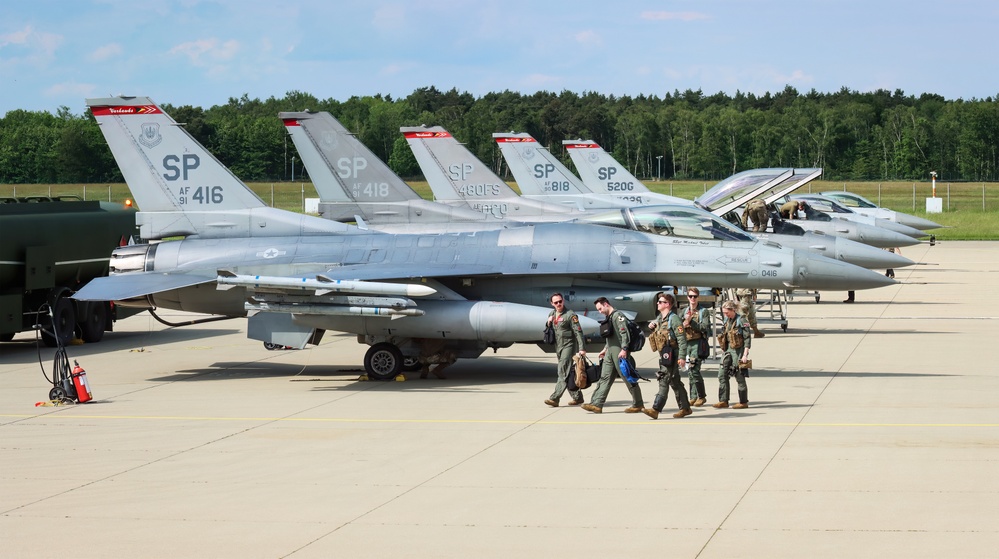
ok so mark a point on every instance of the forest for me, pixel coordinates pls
(687, 135)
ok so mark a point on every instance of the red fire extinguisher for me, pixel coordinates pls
(80, 383)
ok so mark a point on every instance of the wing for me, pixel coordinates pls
(128, 286)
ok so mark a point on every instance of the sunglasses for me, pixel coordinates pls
(693, 296)
(661, 302)
(559, 302)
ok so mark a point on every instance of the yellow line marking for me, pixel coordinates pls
(726, 421)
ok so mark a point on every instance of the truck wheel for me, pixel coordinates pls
(63, 323)
(383, 361)
(93, 322)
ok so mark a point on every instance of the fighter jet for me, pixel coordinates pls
(518, 148)
(864, 206)
(297, 276)
(724, 197)
(839, 211)
(349, 178)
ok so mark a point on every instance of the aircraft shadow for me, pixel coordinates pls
(24, 351)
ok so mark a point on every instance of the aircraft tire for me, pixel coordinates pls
(410, 364)
(93, 321)
(383, 361)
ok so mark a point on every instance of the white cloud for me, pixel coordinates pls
(390, 17)
(206, 51)
(105, 52)
(70, 89)
(39, 45)
(589, 37)
(678, 16)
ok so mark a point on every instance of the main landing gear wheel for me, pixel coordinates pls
(383, 361)
(410, 364)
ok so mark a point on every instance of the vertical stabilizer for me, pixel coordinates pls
(182, 189)
(535, 169)
(456, 176)
(603, 174)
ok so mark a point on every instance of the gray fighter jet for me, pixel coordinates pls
(594, 163)
(836, 210)
(864, 206)
(297, 276)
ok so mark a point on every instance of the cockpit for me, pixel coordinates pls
(686, 222)
(850, 200)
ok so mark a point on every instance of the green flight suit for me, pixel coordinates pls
(730, 360)
(701, 324)
(568, 341)
(669, 377)
(619, 338)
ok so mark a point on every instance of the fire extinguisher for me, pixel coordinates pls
(80, 383)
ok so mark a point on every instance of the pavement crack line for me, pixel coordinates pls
(792, 431)
(495, 443)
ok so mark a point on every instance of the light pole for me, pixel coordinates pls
(659, 159)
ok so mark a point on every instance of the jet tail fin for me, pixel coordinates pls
(536, 170)
(165, 167)
(599, 171)
(181, 188)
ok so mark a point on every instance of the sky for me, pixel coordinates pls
(204, 52)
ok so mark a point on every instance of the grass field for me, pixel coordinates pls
(971, 210)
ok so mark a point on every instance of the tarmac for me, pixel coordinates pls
(873, 431)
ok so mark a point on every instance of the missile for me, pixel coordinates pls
(331, 310)
(321, 285)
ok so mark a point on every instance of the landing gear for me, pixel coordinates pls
(410, 364)
(383, 361)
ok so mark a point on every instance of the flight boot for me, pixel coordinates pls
(740, 406)
(757, 333)
(682, 413)
(634, 409)
(551, 403)
(592, 409)
(720, 405)
(657, 406)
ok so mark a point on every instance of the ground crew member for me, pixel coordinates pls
(676, 344)
(735, 341)
(696, 325)
(747, 308)
(756, 210)
(615, 331)
(790, 209)
(568, 342)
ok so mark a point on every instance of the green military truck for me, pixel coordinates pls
(49, 248)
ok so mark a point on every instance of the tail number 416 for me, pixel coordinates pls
(201, 195)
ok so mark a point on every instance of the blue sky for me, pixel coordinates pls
(202, 52)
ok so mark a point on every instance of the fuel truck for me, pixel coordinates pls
(49, 248)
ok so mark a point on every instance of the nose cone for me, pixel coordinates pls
(917, 222)
(816, 272)
(867, 256)
(883, 238)
(900, 228)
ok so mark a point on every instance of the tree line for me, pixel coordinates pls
(878, 135)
